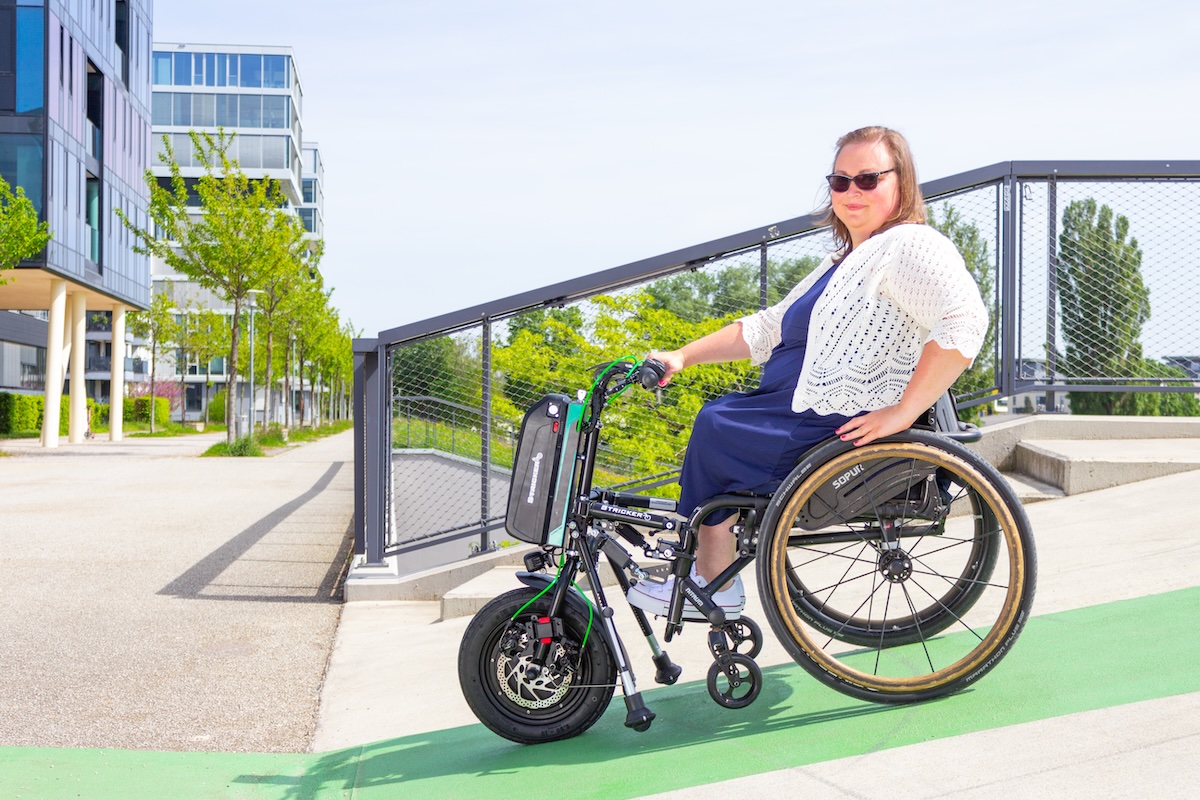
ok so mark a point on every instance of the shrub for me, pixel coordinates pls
(137, 409)
(216, 408)
(245, 446)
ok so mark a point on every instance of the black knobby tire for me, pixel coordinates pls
(569, 695)
(890, 607)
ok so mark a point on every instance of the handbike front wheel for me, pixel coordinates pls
(510, 695)
(903, 570)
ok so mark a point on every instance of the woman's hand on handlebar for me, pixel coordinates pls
(672, 360)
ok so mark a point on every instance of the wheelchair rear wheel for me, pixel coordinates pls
(899, 571)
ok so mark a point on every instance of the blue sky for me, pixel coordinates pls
(474, 150)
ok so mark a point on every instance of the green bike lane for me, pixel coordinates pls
(1066, 663)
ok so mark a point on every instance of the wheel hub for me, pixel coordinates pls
(522, 681)
(895, 565)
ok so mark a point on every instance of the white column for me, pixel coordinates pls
(116, 389)
(54, 363)
(77, 417)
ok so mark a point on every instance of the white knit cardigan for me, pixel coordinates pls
(894, 293)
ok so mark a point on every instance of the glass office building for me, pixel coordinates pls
(75, 105)
(253, 91)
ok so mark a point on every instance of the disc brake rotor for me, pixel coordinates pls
(544, 691)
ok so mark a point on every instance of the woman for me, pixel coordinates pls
(859, 349)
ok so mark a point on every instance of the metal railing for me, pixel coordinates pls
(1086, 267)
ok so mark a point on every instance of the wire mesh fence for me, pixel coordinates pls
(1089, 285)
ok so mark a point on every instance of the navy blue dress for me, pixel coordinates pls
(750, 442)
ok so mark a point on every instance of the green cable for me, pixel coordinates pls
(628, 359)
(549, 586)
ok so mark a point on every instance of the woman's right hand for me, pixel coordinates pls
(673, 360)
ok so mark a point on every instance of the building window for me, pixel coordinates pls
(275, 152)
(249, 151)
(162, 69)
(310, 191)
(93, 218)
(161, 109)
(21, 159)
(275, 72)
(275, 111)
(204, 110)
(308, 216)
(251, 111)
(182, 114)
(30, 61)
(252, 71)
(183, 69)
(227, 110)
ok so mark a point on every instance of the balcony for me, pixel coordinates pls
(95, 138)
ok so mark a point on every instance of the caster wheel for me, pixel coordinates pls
(737, 684)
(745, 637)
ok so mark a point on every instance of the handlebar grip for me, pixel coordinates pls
(651, 373)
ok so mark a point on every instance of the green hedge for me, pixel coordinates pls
(22, 413)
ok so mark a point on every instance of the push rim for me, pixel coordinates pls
(932, 662)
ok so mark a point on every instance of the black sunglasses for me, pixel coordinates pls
(866, 181)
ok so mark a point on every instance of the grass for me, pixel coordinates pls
(423, 434)
(273, 438)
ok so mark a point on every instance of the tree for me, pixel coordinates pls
(21, 234)
(208, 338)
(159, 326)
(981, 375)
(229, 243)
(1104, 303)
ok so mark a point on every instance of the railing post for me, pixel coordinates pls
(1011, 296)
(762, 275)
(1051, 287)
(370, 405)
(364, 369)
(485, 437)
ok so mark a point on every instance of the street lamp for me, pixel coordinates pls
(251, 293)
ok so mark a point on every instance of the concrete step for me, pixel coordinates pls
(1084, 465)
(468, 598)
(1031, 490)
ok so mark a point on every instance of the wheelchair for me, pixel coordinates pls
(895, 572)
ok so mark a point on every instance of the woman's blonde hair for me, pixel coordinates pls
(911, 205)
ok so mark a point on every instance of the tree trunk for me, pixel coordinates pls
(231, 375)
(268, 373)
(153, 369)
(183, 387)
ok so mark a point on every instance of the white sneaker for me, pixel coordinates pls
(655, 598)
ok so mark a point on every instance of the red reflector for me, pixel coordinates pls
(544, 620)
(546, 641)
(555, 428)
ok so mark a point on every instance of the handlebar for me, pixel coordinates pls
(650, 373)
